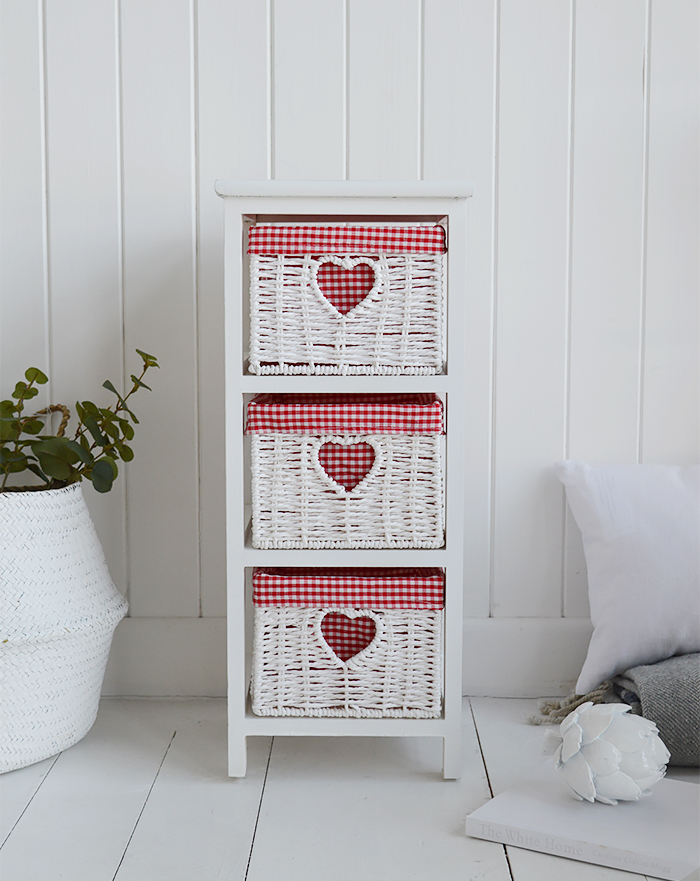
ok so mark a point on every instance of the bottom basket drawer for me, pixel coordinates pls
(348, 642)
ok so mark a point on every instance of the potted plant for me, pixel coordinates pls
(58, 604)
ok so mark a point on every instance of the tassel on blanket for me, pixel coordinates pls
(554, 712)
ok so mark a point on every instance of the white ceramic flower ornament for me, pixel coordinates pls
(607, 755)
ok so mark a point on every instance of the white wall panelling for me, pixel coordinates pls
(158, 118)
(670, 379)
(578, 122)
(530, 342)
(23, 306)
(84, 224)
(384, 89)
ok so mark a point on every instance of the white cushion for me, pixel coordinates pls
(641, 537)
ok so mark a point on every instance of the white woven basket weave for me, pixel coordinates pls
(58, 612)
(397, 329)
(296, 504)
(295, 672)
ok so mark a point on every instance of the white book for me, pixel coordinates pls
(659, 835)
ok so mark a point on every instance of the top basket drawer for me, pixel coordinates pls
(346, 299)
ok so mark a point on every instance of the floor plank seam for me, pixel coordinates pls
(257, 816)
(26, 807)
(143, 806)
(488, 780)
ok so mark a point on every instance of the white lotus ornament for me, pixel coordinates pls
(607, 755)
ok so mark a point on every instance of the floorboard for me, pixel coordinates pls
(79, 823)
(349, 808)
(145, 797)
(198, 823)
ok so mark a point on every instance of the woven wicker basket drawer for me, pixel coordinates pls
(346, 471)
(347, 642)
(347, 300)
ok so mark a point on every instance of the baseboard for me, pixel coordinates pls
(163, 657)
(503, 657)
(523, 657)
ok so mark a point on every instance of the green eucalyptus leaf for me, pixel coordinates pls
(54, 467)
(102, 475)
(148, 360)
(20, 389)
(94, 429)
(83, 454)
(32, 426)
(126, 453)
(17, 465)
(36, 470)
(137, 382)
(90, 409)
(9, 429)
(35, 375)
(57, 447)
(110, 387)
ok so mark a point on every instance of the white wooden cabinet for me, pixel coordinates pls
(342, 201)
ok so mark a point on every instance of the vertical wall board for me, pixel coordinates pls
(384, 90)
(458, 133)
(531, 306)
(608, 199)
(159, 293)
(308, 98)
(84, 241)
(23, 319)
(670, 431)
(232, 88)
(606, 259)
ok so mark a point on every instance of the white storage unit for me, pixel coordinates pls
(338, 204)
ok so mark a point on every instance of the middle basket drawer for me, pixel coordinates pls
(347, 470)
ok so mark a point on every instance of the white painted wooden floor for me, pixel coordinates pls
(145, 797)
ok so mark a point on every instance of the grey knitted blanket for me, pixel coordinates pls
(668, 694)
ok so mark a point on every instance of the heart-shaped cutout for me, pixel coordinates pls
(346, 283)
(346, 464)
(347, 636)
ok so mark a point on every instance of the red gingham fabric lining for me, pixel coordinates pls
(287, 239)
(345, 288)
(347, 464)
(317, 414)
(352, 588)
(347, 636)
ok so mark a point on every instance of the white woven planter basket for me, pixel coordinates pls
(296, 504)
(59, 609)
(299, 325)
(296, 672)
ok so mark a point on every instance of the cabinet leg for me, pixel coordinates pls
(237, 756)
(451, 758)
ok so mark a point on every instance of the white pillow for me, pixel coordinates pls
(641, 537)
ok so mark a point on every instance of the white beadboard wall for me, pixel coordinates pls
(576, 119)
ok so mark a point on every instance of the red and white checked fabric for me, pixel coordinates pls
(317, 414)
(287, 239)
(347, 464)
(349, 588)
(345, 288)
(347, 636)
